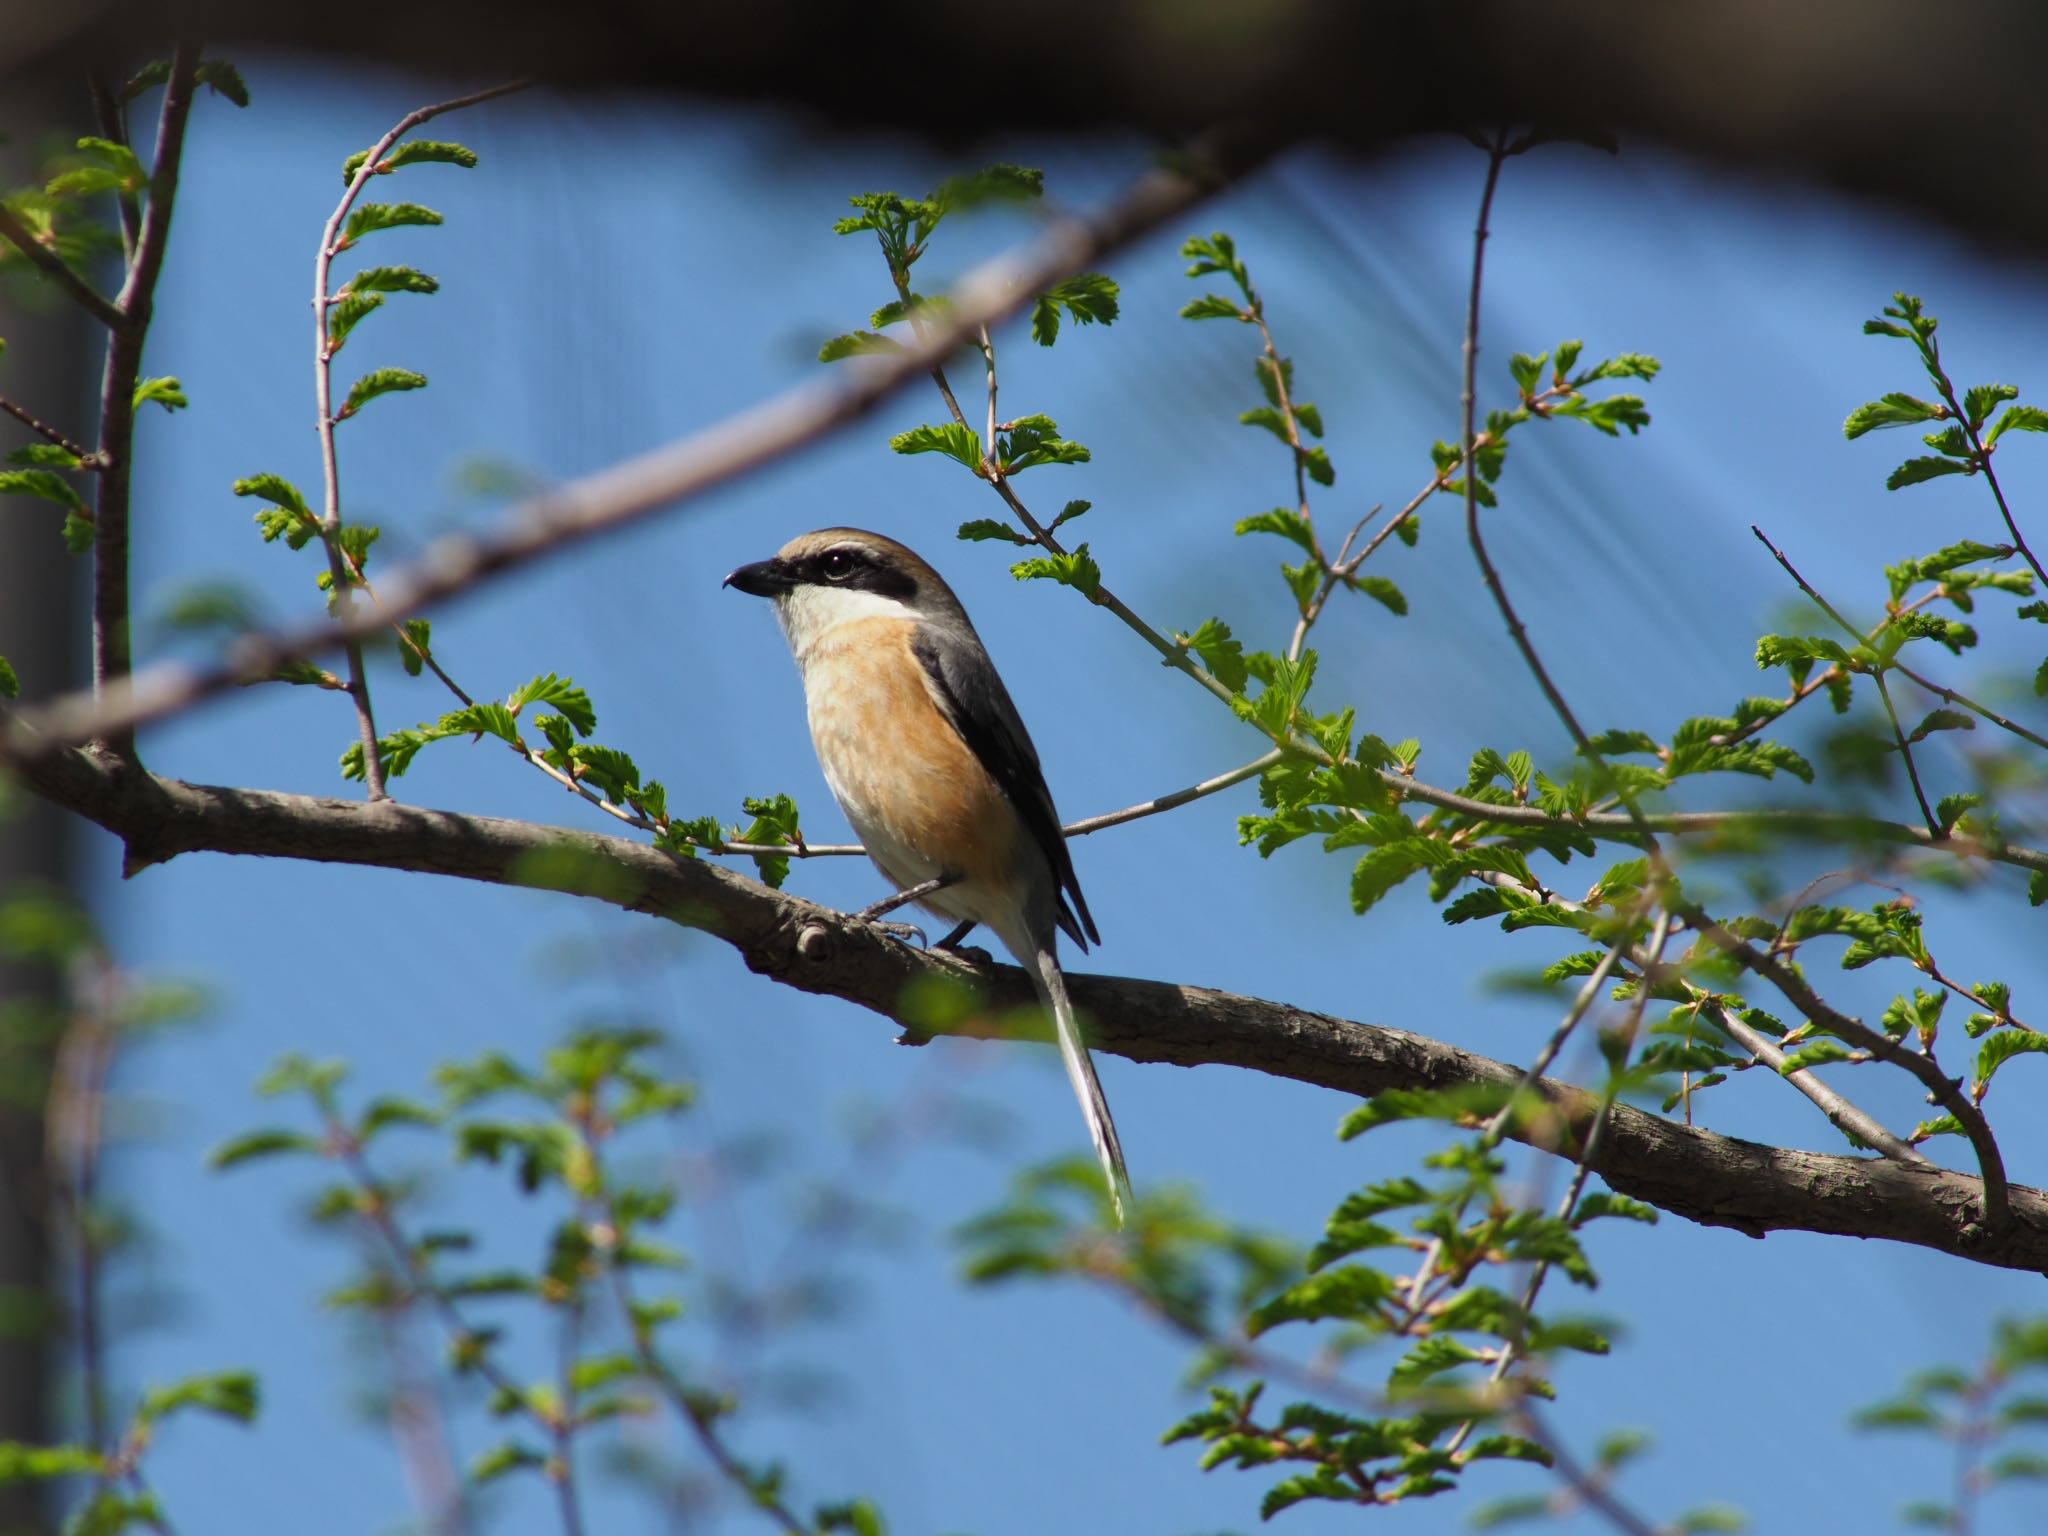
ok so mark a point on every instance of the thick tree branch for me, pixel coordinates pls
(1713, 1179)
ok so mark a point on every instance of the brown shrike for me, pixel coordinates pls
(927, 756)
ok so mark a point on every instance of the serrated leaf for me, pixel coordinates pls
(45, 484)
(428, 152)
(345, 316)
(1222, 653)
(858, 344)
(369, 218)
(381, 381)
(1284, 521)
(1914, 471)
(420, 633)
(961, 444)
(390, 280)
(1999, 1047)
(1076, 568)
(1894, 410)
(563, 695)
(2018, 418)
(981, 529)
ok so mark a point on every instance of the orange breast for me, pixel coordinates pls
(918, 797)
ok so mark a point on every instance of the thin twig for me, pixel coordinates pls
(339, 566)
(113, 121)
(1844, 1115)
(1179, 797)
(1941, 1088)
(95, 303)
(1934, 827)
(84, 455)
(1937, 689)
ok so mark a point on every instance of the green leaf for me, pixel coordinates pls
(1069, 512)
(1814, 1055)
(84, 181)
(119, 159)
(984, 528)
(223, 79)
(1941, 720)
(252, 1145)
(1034, 440)
(1222, 654)
(420, 632)
(2018, 418)
(858, 344)
(369, 218)
(1348, 1291)
(390, 280)
(345, 316)
(1075, 568)
(1913, 471)
(1213, 306)
(956, 442)
(43, 483)
(49, 455)
(572, 702)
(1893, 410)
(381, 381)
(166, 392)
(10, 682)
(412, 152)
(1286, 522)
(1382, 591)
(501, 1459)
(156, 72)
(41, 1463)
(1999, 1047)
(231, 1394)
(1980, 400)
(1089, 297)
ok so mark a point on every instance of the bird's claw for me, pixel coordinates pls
(904, 931)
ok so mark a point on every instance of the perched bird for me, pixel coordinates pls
(927, 756)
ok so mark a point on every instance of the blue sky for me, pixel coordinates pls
(619, 272)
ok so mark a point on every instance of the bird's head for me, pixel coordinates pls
(823, 579)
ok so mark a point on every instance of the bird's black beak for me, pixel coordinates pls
(764, 578)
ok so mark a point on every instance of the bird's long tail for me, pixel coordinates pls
(1052, 991)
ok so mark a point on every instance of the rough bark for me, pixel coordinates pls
(1709, 1178)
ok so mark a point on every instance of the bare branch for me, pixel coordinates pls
(53, 266)
(48, 433)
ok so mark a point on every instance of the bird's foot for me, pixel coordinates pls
(903, 931)
(952, 940)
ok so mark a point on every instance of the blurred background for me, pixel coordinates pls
(623, 268)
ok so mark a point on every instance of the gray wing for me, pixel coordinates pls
(979, 706)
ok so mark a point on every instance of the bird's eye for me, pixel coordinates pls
(837, 564)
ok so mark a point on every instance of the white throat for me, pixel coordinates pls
(809, 612)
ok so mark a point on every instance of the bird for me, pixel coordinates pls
(929, 759)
